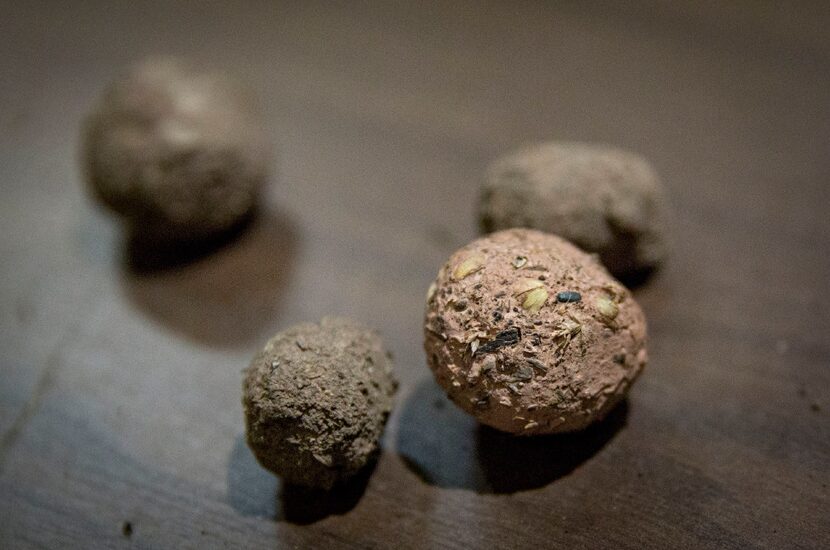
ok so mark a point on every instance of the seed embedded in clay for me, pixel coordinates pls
(568, 296)
(607, 308)
(468, 266)
(529, 365)
(603, 199)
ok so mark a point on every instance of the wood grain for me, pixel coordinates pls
(120, 420)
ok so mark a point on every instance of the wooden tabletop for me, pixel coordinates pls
(120, 411)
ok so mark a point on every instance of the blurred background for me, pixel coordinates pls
(120, 409)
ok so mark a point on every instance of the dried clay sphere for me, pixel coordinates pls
(604, 200)
(531, 335)
(178, 152)
(316, 400)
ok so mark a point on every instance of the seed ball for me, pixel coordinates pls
(178, 152)
(517, 358)
(604, 200)
(316, 399)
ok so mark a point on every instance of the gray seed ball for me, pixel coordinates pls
(603, 199)
(178, 152)
(316, 400)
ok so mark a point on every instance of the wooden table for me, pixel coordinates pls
(120, 386)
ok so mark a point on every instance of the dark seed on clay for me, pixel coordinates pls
(507, 337)
(568, 296)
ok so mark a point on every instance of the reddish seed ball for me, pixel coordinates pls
(508, 349)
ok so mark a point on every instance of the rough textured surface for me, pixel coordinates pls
(110, 412)
(179, 152)
(316, 400)
(601, 198)
(531, 335)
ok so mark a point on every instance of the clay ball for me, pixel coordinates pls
(180, 153)
(604, 200)
(531, 335)
(316, 400)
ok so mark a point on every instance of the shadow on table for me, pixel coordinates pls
(638, 278)
(251, 488)
(448, 448)
(255, 492)
(219, 291)
(303, 506)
